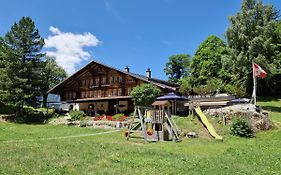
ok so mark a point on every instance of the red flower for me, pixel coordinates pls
(109, 118)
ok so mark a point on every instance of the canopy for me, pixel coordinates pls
(171, 96)
(174, 98)
(161, 103)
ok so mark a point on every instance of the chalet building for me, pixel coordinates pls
(101, 88)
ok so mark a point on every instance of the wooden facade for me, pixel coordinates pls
(104, 88)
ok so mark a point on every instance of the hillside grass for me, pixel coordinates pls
(24, 151)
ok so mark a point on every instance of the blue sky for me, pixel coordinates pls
(139, 34)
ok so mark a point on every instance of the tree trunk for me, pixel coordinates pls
(19, 111)
(45, 96)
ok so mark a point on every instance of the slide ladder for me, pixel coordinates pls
(172, 128)
(207, 124)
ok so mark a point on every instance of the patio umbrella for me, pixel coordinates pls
(172, 97)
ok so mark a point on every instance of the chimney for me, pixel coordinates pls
(148, 73)
(127, 69)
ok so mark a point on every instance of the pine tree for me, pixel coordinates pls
(23, 62)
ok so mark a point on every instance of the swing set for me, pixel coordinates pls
(153, 125)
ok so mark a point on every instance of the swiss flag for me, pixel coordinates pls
(258, 71)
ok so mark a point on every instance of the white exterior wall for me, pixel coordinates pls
(98, 106)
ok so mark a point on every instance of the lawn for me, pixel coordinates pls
(24, 149)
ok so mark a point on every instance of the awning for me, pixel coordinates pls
(161, 103)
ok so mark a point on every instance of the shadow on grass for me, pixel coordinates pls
(272, 108)
(268, 99)
(26, 119)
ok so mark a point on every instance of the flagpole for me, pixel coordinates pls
(254, 95)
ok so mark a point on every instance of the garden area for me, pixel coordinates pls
(63, 149)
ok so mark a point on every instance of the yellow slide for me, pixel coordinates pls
(207, 124)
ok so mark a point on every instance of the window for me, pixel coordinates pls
(91, 94)
(91, 82)
(95, 93)
(99, 93)
(97, 81)
(110, 92)
(74, 95)
(129, 90)
(116, 79)
(130, 79)
(120, 79)
(119, 92)
(82, 94)
(114, 92)
(103, 80)
(111, 79)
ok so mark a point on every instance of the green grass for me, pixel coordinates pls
(112, 154)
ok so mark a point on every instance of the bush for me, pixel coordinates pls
(76, 115)
(7, 109)
(241, 127)
(83, 123)
(117, 116)
(33, 118)
(28, 110)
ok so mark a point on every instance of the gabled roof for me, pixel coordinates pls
(157, 82)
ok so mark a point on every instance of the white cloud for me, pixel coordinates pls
(69, 48)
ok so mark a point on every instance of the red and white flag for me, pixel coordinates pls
(258, 71)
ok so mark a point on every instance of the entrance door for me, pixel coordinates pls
(112, 107)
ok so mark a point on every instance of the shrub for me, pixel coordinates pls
(241, 127)
(28, 110)
(83, 123)
(7, 109)
(117, 116)
(33, 118)
(31, 115)
(76, 115)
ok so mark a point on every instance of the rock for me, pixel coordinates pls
(191, 135)
(258, 120)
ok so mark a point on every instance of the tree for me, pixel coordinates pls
(23, 63)
(4, 52)
(51, 76)
(145, 94)
(185, 86)
(177, 67)
(206, 63)
(252, 35)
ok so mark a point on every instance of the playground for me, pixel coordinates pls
(45, 149)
